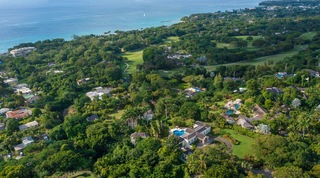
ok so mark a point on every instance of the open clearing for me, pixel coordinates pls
(262, 60)
(134, 59)
(245, 146)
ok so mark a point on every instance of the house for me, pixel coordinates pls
(18, 114)
(32, 99)
(11, 81)
(313, 73)
(22, 51)
(148, 115)
(2, 126)
(98, 92)
(259, 112)
(23, 89)
(190, 92)
(81, 81)
(4, 110)
(198, 132)
(92, 118)
(275, 90)
(29, 125)
(137, 135)
(229, 119)
(25, 142)
(244, 123)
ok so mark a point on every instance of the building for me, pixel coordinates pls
(22, 51)
(244, 123)
(259, 112)
(137, 135)
(18, 114)
(25, 142)
(275, 90)
(190, 92)
(2, 126)
(98, 92)
(32, 99)
(29, 125)
(92, 118)
(198, 132)
(148, 115)
(81, 81)
(11, 81)
(4, 111)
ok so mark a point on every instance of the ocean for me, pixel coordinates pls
(33, 20)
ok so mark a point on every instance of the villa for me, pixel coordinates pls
(98, 92)
(259, 112)
(189, 136)
(4, 110)
(92, 118)
(11, 81)
(29, 125)
(275, 90)
(190, 92)
(25, 142)
(18, 114)
(244, 123)
(137, 135)
(233, 107)
(84, 80)
(22, 51)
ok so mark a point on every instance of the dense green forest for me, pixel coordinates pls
(221, 69)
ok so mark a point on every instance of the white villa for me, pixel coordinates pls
(199, 132)
(98, 92)
(22, 51)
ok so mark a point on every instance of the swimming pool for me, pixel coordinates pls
(237, 106)
(229, 112)
(178, 132)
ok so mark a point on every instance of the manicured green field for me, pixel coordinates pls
(263, 60)
(308, 36)
(171, 39)
(245, 146)
(134, 58)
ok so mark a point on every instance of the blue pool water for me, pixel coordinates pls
(229, 112)
(237, 106)
(178, 132)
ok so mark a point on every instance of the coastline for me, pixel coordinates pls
(86, 24)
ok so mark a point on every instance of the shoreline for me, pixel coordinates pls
(147, 21)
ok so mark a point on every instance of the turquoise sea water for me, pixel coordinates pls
(29, 21)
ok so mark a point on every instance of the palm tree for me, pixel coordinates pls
(303, 123)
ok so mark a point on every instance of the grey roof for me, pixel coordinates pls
(201, 136)
(201, 129)
(92, 118)
(199, 123)
(190, 135)
(275, 90)
(139, 134)
(188, 130)
(244, 123)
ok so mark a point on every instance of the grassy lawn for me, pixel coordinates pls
(117, 114)
(134, 58)
(171, 39)
(244, 147)
(262, 60)
(308, 36)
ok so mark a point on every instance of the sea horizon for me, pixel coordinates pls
(51, 20)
